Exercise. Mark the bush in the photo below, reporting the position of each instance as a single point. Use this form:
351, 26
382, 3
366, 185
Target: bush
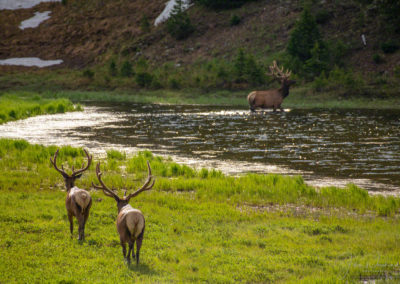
246, 69
126, 69
389, 47
378, 59
144, 79
222, 4
235, 20
179, 25
145, 24
88, 74
112, 68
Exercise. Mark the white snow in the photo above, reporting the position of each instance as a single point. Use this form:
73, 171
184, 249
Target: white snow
30, 61
21, 4
166, 13
35, 21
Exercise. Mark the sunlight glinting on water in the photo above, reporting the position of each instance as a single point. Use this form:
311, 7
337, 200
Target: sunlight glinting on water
225, 140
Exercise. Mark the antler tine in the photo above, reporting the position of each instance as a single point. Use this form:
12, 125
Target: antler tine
54, 162
146, 185
74, 173
106, 190
279, 73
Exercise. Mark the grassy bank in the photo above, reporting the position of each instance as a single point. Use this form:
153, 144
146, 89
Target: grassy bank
299, 98
19, 105
201, 226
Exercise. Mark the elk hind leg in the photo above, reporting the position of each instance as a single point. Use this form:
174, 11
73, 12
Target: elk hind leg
71, 223
139, 245
81, 230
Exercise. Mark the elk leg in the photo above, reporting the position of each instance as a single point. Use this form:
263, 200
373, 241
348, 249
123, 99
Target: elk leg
81, 221
123, 249
71, 223
130, 244
138, 246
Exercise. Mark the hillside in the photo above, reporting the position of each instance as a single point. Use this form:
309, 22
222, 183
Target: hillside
92, 34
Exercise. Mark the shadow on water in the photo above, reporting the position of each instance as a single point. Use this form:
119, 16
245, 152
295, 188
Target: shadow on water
327, 147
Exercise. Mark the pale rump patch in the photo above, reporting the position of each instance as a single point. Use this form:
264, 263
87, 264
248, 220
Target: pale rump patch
82, 197
134, 221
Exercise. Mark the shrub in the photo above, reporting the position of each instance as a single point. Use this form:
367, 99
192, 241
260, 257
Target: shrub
144, 24
378, 59
322, 17
144, 79
179, 25
246, 68
235, 20
112, 68
88, 74
389, 46
64, 2
222, 4
126, 69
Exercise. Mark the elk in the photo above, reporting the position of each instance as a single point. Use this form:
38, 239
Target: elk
78, 201
130, 221
272, 98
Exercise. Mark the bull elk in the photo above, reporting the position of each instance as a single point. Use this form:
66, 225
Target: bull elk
272, 98
130, 221
78, 201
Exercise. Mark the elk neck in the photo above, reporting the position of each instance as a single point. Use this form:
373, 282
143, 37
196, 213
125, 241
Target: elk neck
284, 90
123, 205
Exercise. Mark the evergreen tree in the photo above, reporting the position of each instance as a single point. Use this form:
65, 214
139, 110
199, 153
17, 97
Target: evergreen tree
178, 24
304, 36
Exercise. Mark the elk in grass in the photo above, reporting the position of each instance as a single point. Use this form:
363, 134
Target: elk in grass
78, 201
272, 98
130, 221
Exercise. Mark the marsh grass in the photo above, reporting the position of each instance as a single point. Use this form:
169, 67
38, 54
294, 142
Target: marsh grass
15, 106
195, 229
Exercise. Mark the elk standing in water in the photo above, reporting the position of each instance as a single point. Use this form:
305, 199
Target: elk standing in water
78, 201
272, 98
130, 221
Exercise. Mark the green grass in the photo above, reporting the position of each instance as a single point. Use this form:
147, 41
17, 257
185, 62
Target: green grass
201, 226
14, 106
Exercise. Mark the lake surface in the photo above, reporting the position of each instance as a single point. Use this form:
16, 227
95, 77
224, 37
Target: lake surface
327, 147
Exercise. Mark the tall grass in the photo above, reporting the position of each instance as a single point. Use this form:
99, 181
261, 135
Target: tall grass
15, 106
197, 226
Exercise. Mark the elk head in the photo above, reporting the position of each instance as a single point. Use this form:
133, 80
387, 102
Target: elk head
70, 179
281, 75
123, 201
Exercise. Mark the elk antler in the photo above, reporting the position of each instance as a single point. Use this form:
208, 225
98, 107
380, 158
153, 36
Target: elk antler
108, 192
74, 173
54, 162
278, 72
146, 186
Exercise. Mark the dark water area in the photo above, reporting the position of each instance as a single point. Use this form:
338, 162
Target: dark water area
327, 147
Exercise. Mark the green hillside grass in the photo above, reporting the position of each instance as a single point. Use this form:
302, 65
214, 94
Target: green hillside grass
201, 226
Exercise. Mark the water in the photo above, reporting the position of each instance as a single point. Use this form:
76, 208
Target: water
327, 147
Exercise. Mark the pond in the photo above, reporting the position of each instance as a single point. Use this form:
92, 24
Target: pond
326, 147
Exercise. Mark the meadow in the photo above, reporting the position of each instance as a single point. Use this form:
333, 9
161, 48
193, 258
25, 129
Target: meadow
14, 106
201, 225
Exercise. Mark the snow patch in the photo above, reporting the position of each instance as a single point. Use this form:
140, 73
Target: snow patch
166, 13
30, 61
35, 21
21, 4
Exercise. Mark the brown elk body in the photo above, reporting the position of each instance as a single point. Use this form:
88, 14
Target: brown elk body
272, 98
130, 221
78, 201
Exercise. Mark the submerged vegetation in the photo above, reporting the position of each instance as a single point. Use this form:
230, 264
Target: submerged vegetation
201, 225
14, 106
